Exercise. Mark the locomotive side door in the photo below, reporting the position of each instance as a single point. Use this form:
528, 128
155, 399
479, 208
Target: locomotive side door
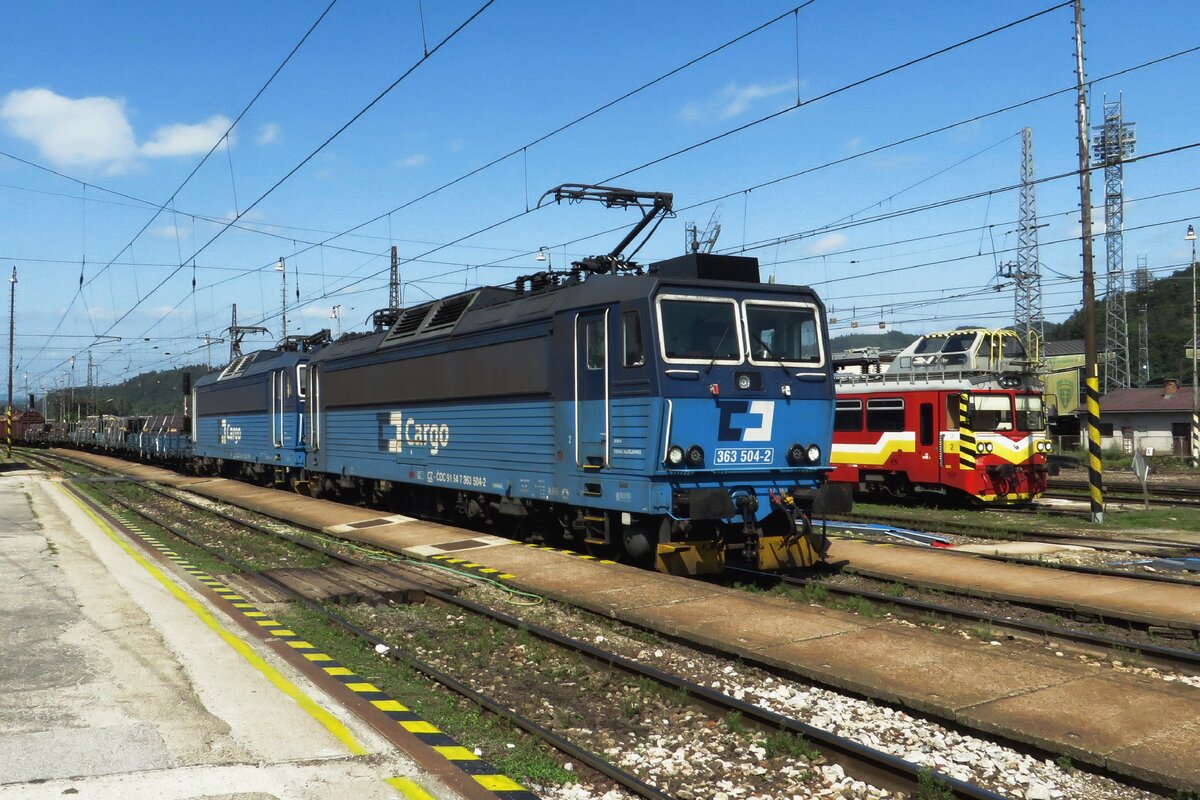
591, 413
283, 422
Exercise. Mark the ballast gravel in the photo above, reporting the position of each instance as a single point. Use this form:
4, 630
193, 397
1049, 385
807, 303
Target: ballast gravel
979, 761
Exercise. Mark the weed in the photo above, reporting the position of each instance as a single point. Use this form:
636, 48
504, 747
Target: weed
784, 743
734, 723
1126, 656
982, 632
896, 590
1064, 763
930, 788
859, 605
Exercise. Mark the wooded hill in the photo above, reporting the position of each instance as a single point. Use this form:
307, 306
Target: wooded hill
1168, 304
157, 392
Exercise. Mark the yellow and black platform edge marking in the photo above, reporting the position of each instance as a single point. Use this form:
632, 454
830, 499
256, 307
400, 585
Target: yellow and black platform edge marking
467, 565
462, 758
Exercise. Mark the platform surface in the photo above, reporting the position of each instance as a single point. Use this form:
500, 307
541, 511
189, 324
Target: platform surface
115, 688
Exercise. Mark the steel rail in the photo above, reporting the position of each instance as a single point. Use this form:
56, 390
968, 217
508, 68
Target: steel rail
865, 763
1162, 656
625, 779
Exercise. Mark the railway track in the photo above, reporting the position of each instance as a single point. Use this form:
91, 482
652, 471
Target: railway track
1090, 643
865, 763
985, 529
1133, 490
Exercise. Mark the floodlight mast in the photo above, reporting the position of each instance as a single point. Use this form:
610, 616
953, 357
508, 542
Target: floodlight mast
655, 207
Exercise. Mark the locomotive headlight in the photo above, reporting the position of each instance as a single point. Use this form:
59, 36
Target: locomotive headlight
743, 381
795, 455
985, 447
695, 456
675, 456
813, 453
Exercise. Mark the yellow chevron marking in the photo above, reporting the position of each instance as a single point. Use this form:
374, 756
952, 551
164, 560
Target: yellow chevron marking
498, 783
363, 687
456, 752
389, 705
418, 726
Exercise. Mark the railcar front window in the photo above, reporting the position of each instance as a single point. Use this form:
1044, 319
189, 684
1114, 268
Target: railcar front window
700, 330
1031, 415
784, 333
992, 412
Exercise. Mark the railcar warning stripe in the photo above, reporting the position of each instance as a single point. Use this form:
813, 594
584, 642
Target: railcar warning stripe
966, 437
464, 759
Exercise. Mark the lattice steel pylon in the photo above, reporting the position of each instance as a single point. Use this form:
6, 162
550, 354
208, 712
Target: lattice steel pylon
1141, 287
1113, 143
1027, 272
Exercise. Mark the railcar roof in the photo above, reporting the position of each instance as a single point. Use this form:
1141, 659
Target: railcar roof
491, 307
254, 363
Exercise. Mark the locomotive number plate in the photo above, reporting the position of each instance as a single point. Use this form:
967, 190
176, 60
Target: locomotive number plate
744, 455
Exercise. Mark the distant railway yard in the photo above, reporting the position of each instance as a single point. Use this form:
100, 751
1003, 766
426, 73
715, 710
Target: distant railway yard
1016, 664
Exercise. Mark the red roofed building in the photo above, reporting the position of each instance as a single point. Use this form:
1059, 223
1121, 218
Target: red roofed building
1157, 419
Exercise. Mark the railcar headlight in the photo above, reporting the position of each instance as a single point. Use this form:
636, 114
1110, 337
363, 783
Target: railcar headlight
675, 456
813, 453
795, 455
695, 456
985, 447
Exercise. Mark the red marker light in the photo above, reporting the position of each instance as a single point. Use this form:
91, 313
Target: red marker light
715, 389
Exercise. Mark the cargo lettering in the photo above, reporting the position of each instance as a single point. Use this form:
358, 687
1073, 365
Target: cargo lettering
397, 432
228, 434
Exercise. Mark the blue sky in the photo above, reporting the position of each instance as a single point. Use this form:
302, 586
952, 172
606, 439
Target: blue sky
128, 98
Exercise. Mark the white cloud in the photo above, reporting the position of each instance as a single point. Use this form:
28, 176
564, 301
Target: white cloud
88, 132
170, 232
827, 244
855, 144
158, 312
101, 313
267, 133
187, 140
731, 101
415, 160
317, 312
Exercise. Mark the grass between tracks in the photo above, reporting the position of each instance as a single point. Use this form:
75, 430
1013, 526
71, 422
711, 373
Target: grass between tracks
507, 748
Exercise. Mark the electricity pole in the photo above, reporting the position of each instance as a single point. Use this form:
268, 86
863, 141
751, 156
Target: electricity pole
1091, 373
12, 307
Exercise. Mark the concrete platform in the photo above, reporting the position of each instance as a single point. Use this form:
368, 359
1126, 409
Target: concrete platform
112, 687
1148, 602
1136, 726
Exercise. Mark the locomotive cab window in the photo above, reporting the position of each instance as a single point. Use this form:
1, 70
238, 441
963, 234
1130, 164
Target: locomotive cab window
885, 414
631, 329
783, 333
1031, 415
699, 330
848, 416
991, 412
301, 380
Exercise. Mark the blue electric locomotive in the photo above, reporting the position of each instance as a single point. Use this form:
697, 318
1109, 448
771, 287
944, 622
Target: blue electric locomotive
249, 419
675, 413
